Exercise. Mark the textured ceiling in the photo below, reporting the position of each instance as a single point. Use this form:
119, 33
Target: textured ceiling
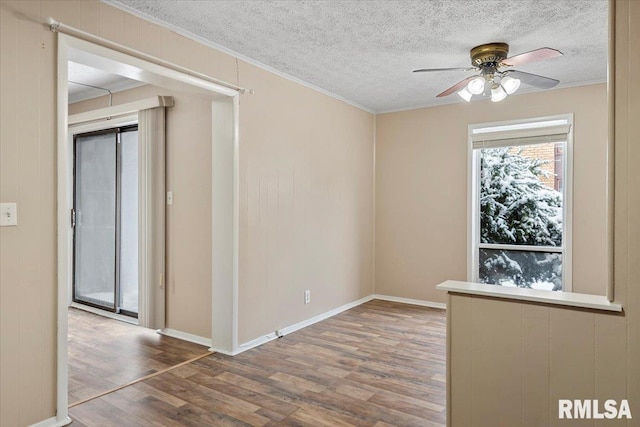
79, 73
365, 51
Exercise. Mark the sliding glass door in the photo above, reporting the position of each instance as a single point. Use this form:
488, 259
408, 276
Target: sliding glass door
106, 220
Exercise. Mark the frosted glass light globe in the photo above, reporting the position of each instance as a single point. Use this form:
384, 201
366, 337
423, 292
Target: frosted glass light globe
476, 85
465, 94
497, 93
510, 84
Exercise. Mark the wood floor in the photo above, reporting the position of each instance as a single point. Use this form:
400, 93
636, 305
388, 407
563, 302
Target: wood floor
106, 353
379, 364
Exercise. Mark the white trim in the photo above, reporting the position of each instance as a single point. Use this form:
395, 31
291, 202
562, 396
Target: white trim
98, 124
473, 230
315, 319
121, 109
153, 69
422, 303
53, 422
323, 316
236, 221
246, 346
567, 220
471, 208
374, 208
473, 192
527, 124
295, 327
594, 302
224, 224
185, 336
95, 55
610, 153
224, 351
477, 222
62, 232
529, 248
233, 53
104, 313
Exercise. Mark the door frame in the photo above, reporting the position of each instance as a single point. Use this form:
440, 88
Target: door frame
225, 201
117, 130
115, 122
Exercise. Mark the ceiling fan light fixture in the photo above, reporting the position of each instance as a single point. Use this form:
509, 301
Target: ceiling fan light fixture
495, 76
510, 84
476, 85
498, 93
465, 94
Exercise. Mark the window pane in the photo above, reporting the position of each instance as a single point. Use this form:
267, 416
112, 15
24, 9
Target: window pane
95, 232
519, 202
523, 269
129, 221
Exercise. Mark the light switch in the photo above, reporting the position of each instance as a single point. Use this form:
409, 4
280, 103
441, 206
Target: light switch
8, 214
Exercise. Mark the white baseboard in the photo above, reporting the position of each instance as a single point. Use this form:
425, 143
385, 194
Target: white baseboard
185, 336
252, 344
297, 326
225, 352
53, 422
420, 302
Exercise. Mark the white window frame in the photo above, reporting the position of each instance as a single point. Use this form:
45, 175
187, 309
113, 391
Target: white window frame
473, 193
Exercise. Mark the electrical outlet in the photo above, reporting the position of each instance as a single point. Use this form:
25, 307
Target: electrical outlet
8, 214
307, 297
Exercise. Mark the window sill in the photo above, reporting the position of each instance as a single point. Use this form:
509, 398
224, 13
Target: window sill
594, 302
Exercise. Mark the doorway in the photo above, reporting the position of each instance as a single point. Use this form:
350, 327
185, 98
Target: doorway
105, 220
97, 53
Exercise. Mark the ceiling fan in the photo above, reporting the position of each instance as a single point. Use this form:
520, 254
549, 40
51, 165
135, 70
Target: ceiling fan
496, 78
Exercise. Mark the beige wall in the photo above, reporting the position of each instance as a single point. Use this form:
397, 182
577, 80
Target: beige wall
306, 210
510, 361
27, 252
188, 251
421, 189
306, 192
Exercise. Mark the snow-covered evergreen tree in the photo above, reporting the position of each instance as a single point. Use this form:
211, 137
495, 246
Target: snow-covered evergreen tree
517, 208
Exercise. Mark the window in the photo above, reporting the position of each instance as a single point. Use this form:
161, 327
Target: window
520, 205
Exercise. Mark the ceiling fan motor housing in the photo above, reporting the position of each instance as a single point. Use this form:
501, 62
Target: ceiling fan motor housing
489, 55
